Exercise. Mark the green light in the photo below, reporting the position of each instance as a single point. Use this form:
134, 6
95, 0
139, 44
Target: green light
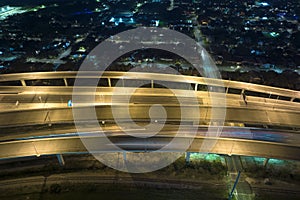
276, 161
197, 156
259, 159
274, 34
271, 160
204, 156
270, 34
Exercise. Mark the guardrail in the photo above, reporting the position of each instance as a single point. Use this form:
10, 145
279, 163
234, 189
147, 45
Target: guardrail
149, 80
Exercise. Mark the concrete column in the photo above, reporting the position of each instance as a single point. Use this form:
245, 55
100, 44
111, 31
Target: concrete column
23, 82
293, 98
187, 157
109, 82
124, 156
66, 82
60, 159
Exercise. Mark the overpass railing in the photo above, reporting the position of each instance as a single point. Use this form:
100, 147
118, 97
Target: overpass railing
149, 80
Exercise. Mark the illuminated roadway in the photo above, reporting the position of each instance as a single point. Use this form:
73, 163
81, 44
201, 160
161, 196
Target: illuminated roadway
266, 125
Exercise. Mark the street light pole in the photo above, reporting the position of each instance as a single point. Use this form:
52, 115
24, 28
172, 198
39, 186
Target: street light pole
234, 186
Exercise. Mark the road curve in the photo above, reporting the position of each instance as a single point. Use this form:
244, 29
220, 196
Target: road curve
28, 100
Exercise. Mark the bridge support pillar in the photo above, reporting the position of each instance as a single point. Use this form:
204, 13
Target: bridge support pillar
187, 157
23, 82
124, 156
266, 162
66, 82
60, 159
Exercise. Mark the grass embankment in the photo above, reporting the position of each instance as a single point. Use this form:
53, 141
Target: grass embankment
198, 179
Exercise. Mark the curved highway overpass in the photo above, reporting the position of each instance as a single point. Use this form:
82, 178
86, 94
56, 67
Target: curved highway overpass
36, 115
